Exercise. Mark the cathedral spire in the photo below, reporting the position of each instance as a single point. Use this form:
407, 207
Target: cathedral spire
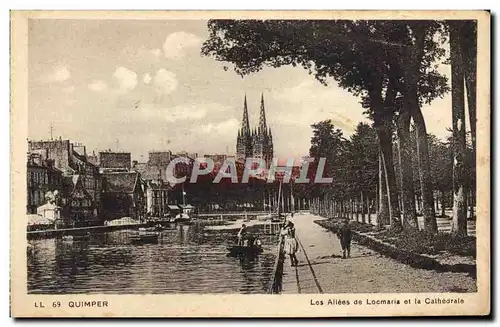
262, 118
245, 125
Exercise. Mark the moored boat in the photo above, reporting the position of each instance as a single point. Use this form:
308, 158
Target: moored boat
241, 250
144, 237
182, 218
250, 247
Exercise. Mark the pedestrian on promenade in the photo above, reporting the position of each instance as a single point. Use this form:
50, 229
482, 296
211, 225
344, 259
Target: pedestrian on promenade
291, 246
344, 235
242, 234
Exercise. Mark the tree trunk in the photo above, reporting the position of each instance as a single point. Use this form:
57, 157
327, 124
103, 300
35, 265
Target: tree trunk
471, 204
377, 202
356, 208
382, 118
426, 189
468, 45
459, 223
436, 201
412, 75
443, 204
406, 171
363, 220
383, 212
368, 200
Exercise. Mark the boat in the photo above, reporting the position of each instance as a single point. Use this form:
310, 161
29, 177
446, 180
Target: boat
264, 217
82, 237
251, 246
182, 218
242, 250
159, 228
144, 237
68, 238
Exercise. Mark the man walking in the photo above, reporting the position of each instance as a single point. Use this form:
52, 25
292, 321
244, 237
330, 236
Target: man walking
344, 235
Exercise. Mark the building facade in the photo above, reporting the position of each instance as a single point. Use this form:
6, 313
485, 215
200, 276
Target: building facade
256, 143
78, 207
123, 195
156, 198
115, 160
42, 177
71, 159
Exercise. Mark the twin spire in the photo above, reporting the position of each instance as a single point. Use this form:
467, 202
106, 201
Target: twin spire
245, 124
255, 143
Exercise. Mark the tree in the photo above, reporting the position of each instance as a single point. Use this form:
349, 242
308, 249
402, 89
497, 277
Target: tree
459, 223
441, 156
365, 164
423, 53
328, 142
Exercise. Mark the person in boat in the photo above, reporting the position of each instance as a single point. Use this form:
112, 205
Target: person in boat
242, 235
257, 242
291, 246
344, 235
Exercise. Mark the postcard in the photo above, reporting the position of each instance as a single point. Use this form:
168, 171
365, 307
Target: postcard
250, 164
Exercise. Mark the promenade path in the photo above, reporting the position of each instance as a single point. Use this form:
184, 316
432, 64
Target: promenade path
322, 270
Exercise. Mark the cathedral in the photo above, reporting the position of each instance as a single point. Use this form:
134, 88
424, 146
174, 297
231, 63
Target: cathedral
256, 143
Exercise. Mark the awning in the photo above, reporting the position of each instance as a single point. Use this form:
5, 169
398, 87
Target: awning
38, 220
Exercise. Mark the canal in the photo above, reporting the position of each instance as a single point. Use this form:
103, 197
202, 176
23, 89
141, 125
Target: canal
188, 259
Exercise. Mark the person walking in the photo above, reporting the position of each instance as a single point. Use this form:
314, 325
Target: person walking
344, 235
291, 246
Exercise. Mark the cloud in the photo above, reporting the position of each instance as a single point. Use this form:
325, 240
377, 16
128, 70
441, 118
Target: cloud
156, 52
177, 43
60, 74
147, 78
126, 78
68, 89
165, 81
221, 128
188, 113
98, 86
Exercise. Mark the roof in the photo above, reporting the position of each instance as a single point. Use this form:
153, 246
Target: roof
82, 158
140, 167
38, 220
120, 182
173, 207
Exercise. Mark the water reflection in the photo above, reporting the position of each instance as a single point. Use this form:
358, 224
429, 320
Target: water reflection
188, 259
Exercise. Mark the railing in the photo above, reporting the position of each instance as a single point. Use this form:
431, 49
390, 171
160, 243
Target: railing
277, 279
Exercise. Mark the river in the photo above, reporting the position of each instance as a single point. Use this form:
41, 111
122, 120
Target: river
188, 259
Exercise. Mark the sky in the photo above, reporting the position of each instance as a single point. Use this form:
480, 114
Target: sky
142, 85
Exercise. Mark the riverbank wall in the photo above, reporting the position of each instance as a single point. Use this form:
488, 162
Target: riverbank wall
49, 233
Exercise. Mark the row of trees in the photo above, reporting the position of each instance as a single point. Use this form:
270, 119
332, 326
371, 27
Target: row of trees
393, 66
359, 185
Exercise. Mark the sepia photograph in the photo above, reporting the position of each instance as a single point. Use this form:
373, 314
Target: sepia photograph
332, 161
